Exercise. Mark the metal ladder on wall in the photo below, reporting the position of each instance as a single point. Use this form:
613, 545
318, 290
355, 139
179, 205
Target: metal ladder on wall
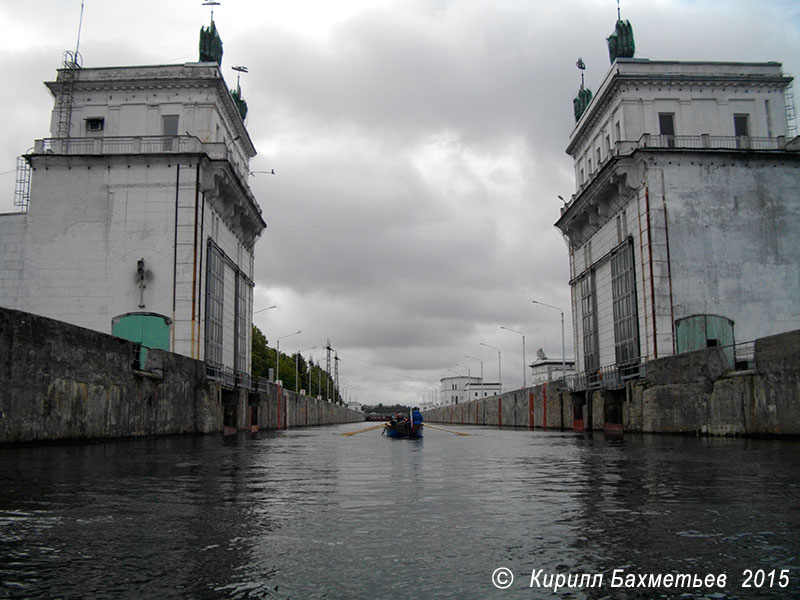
22, 189
71, 66
791, 122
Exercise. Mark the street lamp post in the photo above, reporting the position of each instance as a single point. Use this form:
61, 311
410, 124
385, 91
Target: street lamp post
469, 376
278, 354
297, 365
563, 354
524, 365
499, 365
263, 309
480, 361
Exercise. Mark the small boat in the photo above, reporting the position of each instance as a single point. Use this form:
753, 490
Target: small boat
403, 429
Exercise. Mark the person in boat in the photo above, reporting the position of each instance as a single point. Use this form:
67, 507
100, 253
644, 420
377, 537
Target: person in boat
416, 416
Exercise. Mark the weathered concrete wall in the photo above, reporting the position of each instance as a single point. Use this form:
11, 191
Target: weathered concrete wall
774, 406
278, 408
536, 407
693, 393
59, 381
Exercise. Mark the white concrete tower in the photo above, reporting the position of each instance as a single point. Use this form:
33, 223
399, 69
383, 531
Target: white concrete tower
141, 222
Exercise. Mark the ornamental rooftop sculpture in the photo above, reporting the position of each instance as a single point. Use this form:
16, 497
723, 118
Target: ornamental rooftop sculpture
210, 44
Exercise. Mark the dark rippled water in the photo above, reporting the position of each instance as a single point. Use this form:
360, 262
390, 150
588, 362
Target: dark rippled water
312, 514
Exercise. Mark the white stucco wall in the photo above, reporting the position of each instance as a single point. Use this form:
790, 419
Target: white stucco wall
734, 230
107, 198
703, 97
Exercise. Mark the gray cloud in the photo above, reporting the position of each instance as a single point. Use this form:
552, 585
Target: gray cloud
419, 152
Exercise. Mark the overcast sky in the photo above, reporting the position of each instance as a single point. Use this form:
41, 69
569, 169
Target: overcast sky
418, 149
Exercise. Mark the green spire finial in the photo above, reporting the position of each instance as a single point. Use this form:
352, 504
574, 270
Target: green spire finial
210, 42
238, 100
584, 97
620, 43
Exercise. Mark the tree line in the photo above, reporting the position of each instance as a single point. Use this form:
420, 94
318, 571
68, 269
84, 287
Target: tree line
387, 410
311, 377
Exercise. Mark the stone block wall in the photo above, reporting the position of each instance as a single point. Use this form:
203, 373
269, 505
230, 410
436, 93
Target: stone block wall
525, 408
59, 382
690, 393
696, 392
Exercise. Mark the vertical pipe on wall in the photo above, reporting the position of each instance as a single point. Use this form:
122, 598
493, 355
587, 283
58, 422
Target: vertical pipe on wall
530, 410
200, 278
499, 411
175, 256
194, 259
544, 406
642, 271
669, 261
652, 274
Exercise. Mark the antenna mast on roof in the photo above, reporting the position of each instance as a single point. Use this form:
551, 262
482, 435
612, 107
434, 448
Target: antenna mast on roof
80, 25
72, 62
212, 4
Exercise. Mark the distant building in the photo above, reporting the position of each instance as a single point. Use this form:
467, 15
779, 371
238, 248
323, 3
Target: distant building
546, 369
683, 229
461, 388
137, 218
481, 389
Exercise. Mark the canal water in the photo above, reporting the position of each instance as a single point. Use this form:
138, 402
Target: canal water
309, 513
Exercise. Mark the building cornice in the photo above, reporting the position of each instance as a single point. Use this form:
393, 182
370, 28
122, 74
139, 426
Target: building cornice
608, 188
233, 200
591, 207
157, 78
633, 71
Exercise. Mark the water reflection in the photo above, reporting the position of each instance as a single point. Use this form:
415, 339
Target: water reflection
311, 514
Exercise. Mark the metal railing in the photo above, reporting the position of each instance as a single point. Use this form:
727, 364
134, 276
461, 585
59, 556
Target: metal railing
702, 142
145, 144
235, 380
141, 144
226, 376
610, 377
262, 384
744, 356
740, 357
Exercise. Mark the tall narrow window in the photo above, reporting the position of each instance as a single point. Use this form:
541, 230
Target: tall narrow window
624, 224
769, 118
215, 300
626, 322
666, 126
587, 254
169, 128
243, 290
591, 348
741, 129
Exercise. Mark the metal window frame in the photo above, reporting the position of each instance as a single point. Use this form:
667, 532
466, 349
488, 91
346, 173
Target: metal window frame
591, 341
215, 304
625, 307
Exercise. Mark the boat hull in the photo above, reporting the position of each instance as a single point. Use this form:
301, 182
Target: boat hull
403, 430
